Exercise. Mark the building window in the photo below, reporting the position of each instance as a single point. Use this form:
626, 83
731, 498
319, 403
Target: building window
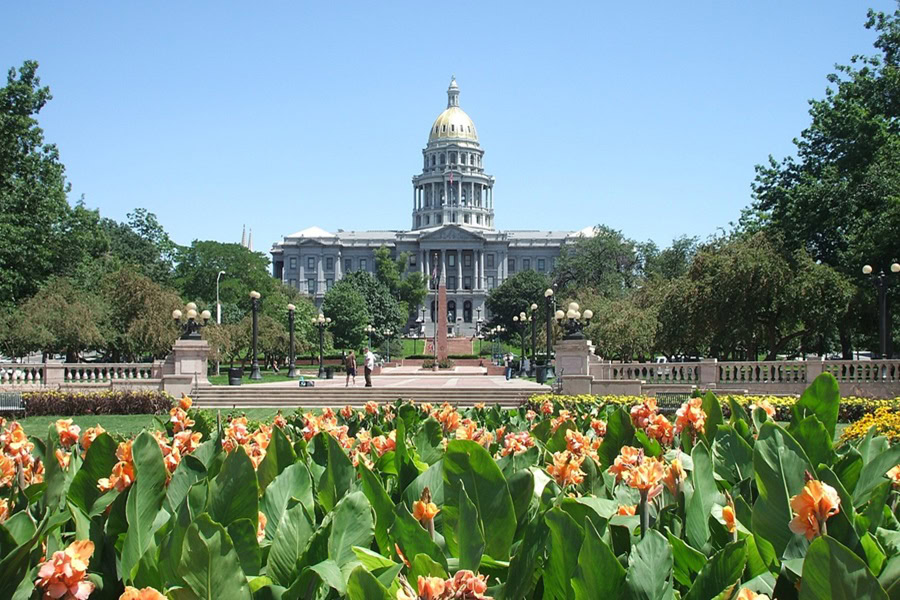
348, 265
466, 218
329, 263
511, 265
292, 283
526, 264
451, 282
451, 260
363, 264
412, 260
329, 283
542, 265
438, 219
451, 312
467, 282
310, 263
489, 261
433, 159
467, 311
418, 221
310, 286
467, 260
490, 282
478, 219
443, 158
427, 220
293, 262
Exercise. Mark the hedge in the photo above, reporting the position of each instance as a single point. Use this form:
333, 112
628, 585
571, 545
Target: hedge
110, 402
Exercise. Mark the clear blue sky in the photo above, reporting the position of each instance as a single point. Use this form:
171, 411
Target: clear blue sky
281, 115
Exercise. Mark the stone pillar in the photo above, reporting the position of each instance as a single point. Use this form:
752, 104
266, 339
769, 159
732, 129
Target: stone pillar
441, 349
303, 287
709, 373
338, 268
814, 368
481, 269
459, 278
185, 367
320, 276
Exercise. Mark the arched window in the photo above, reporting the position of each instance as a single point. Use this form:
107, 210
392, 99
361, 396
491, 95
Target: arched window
443, 158
452, 127
453, 158
467, 311
418, 221
451, 311
433, 159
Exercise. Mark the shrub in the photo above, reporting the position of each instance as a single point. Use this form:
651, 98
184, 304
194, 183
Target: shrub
109, 402
428, 363
446, 364
463, 356
421, 356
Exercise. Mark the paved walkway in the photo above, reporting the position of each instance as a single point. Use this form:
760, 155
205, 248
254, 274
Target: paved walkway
419, 381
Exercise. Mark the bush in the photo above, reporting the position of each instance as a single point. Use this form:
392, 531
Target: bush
421, 356
446, 364
463, 356
110, 402
428, 363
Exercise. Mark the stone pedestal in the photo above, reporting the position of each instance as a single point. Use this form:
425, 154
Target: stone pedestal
186, 366
573, 357
440, 352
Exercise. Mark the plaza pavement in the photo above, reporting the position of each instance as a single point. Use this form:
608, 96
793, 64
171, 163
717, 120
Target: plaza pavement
411, 377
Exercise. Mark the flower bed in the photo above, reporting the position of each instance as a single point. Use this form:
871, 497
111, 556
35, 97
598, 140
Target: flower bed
110, 402
402, 501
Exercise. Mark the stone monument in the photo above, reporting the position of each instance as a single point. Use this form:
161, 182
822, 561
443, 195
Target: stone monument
440, 351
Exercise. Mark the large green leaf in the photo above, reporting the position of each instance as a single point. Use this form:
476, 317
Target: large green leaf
279, 456
234, 493
823, 399
815, 440
412, 537
54, 476
338, 474
209, 564
521, 490
780, 465
98, 463
523, 564
598, 510
701, 500
351, 525
721, 573
428, 441
145, 499
403, 460
619, 432
466, 462
732, 455
469, 533
362, 585
649, 568
873, 473
243, 535
688, 562
188, 472
714, 417
381, 502
293, 536
566, 537
599, 573
833, 571
293, 483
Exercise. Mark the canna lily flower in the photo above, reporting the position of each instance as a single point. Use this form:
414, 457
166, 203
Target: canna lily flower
530, 415
764, 404
280, 421
646, 476
479, 406
7, 471
148, 593
180, 420
660, 429
430, 588
547, 407
63, 575
468, 585
643, 413
185, 403
626, 510
372, 407
812, 507
424, 512
347, 412
894, 475
628, 458
690, 416
4, 509
90, 434
675, 476
68, 433
261, 526
566, 468
63, 458
746, 594
599, 428
516, 443
728, 517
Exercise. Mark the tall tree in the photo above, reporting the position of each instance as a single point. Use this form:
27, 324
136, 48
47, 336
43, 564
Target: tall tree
384, 311
606, 261
142, 244
408, 287
346, 306
516, 295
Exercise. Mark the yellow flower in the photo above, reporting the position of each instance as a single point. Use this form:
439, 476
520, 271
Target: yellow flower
728, 517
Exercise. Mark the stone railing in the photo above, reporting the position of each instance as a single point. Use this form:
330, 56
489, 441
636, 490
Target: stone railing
105, 373
651, 373
80, 375
762, 372
21, 374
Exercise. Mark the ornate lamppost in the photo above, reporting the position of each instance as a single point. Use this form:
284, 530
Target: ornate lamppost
574, 321
369, 330
881, 284
321, 322
519, 322
532, 317
254, 307
548, 298
388, 333
190, 326
292, 370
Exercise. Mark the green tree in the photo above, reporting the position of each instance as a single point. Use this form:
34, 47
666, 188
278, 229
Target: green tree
607, 262
516, 295
408, 287
621, 328
143, 244
384, 311
346, 306
40, 234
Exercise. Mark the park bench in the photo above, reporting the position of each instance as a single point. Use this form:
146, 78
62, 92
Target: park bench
669, 402
11, 402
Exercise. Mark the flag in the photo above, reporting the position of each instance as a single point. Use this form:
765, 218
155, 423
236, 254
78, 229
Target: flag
434, 272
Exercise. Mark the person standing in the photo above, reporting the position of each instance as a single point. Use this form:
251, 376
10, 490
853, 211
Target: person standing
369, 366
350, 366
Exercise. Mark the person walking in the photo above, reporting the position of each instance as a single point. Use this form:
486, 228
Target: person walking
350, 366
369, 366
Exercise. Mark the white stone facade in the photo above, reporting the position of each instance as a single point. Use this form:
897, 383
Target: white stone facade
452, 231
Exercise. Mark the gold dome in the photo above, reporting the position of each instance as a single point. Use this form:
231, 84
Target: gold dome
453, 123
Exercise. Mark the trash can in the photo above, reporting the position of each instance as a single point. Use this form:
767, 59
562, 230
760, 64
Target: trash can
541, 373
235, 376
329, 373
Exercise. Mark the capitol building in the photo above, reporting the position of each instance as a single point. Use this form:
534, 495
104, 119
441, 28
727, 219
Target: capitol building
451, 231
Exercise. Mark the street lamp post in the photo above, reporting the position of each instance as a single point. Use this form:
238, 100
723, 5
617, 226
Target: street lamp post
574, 321
254, 306
369, 329
190, 326
548, 296
533, 319
292, 370
881, 284
321, 322
387, 335
218, 304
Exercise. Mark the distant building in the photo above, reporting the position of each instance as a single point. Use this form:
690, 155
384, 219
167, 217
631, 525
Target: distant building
452, 230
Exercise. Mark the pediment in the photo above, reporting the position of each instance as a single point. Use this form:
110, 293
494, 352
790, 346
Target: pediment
452, 233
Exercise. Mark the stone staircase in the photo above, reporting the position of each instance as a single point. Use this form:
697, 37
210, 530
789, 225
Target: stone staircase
255, 396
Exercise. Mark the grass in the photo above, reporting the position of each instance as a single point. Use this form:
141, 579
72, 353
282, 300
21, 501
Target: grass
126, 425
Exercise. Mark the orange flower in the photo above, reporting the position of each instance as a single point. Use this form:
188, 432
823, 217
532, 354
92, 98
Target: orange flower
7, 471
628, 458
812, 507
280, 421
728, 517
261, 526
68, 433
566, 468
372, 407
90, 434
690, 415
347, 412
746, 594
426, 407
63, 458
530, 415
187, 441
423, 511
4, 509
402, 556
547, 407
894, 475
148, 593
468, 585
626, 510
479, 406
660, 429
642, 413
516, 443
185, 403
764, 404
646, 476
599, 427
180, 420
430, 588
564, 415
675, 476
384, 444
63, 576
121, 478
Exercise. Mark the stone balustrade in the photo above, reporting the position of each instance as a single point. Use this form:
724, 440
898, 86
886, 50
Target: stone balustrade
21, 374
59, 375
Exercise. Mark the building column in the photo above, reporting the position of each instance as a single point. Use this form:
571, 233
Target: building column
459, 192
338, 267
459, 278
443, 272
320, 276
481, 269
414, 197
303, 287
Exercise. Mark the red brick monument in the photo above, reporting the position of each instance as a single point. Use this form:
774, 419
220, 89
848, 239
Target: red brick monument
441, 324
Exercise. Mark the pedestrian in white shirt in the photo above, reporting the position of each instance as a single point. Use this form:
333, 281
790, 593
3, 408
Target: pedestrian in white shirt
370, 364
